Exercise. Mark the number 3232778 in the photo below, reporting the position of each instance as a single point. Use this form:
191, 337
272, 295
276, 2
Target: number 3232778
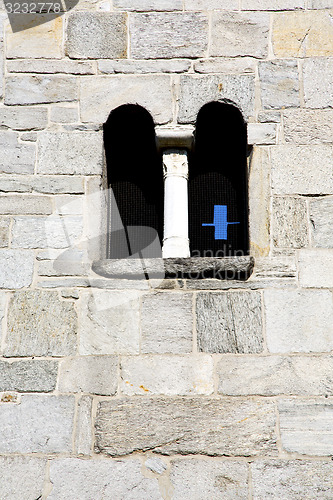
33, 8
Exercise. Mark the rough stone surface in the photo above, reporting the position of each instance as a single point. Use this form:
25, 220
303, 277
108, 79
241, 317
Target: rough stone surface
58, 184
109, 322
23, 118
302, 169
146, 5
225, 65
16, 158
306, 426
292, 479
261, 133
211, 5
299, 320
290, 225
98, 479
162, 35
268, 5
229, 322
166, 323
35, 89
195, 91
239, 34
156, 464
62, 114
316, 268
95, 35
99, 95
16, 268
279, 84
273, 375
40, 324
44, 66
269, 116
320, 4
28, 376
318, 83
146, 66
259, 206
38, 424
306, 126
186, 425
169, 375
200, 479
83, 437
4, 232
279, 266
16, 204
70, 153
21, 477
94, 374
321, 217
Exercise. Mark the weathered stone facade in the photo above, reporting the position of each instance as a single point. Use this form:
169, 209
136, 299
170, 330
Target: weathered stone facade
166, 388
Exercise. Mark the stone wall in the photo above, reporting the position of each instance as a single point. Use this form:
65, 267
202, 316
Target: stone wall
175, 388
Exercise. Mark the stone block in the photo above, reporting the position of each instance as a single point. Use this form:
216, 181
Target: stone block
16, 158
28, 376
269, 116
307, 126
229, 322
279, 84
58, 184
101, 94
23, 117
79, 153
171, 375
69, 205
83, 435
22, 477
302, 34
167, 323
318, 83
306, 426
274, 375
315, 268
55, 66
239, 34
200, 479
27, 205
292, 479
145, 66
261, 133
46, 232
95, 479
278, 266
38, 424
209, 426
97, 35
290, 224
44, 40
302, 169
195, 91
226, 66
299, 320
4, 232
38, 89
146, 5
168, 35
16, 268
109, 322
93, 374
62, 114
40, 324
320, 4
268, 5
211, 5
321, 217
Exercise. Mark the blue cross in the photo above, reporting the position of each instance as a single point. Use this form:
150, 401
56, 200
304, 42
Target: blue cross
220, 222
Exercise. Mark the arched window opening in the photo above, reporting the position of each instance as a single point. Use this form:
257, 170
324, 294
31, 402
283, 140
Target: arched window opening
135, 179
218, 214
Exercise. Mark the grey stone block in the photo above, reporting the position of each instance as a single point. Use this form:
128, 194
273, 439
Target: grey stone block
239, 34
168, 35
229, 322
269, 116
200, 479
299, 320
83, 436
195, 91
28, 376
95, 374
283, 266
146, 5
315, 268
23, 118
226, 66
208, 426
27, 205
156, 464
4, 232
307, 126
35, 89
96, 35
306, 426
16, 158
62, 114
211, 5
268, 5
320, 4
21, 477
58, 184
95, 479
261, 133
290, 224
38, 424
321, 217
40, 324
79, 153
318, 83
45, 66
166, 323
16, 268
145, 66
279, 84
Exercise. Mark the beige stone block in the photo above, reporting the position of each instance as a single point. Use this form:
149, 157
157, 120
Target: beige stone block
290, 225
307, 126
316, 268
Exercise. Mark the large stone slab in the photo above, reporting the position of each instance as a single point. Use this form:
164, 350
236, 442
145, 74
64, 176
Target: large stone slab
144, 66
37, 424
307, 126
226, 65
146, 5
37, 89
292, 479
306, 426
200, 479
279, 82
168, 35
211, 5
27, 205
16, 158
315, 268
23, 117
28, 376
290, 222
318, 83
208, 426
21, 477
96, 35
101, 94
16, 268
229, 322
321, 217
268, 5
55, 66
299, 320
40, 324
